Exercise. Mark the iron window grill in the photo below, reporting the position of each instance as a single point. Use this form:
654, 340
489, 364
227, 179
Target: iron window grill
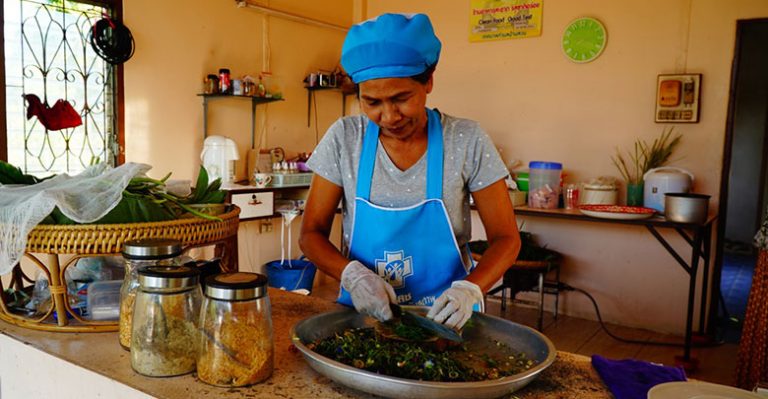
48, 53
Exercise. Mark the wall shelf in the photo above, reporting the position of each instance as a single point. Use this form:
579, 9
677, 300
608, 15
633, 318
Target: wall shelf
254, 102
312, 90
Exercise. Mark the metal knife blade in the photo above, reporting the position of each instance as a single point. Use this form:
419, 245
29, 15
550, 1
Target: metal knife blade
426, 323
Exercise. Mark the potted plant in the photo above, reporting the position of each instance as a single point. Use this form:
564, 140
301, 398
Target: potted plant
645, 157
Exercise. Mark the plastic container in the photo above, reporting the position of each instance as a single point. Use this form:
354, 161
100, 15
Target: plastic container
104, 300
291, 179
599, 194
544, 184
164, 334
139, 253
291, 274
522, 181
236, 346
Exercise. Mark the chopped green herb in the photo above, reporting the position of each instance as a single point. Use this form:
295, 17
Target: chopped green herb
412, 332
364, 349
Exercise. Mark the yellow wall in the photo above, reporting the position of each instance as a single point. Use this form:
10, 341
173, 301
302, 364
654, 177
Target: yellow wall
178, 42
534, 103
537, 105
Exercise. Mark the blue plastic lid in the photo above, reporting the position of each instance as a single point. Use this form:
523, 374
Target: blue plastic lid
545, 165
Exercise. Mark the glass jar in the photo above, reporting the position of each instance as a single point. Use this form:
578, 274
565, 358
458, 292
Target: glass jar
211, 84
571, 196
544, 184
236, 346
164, 332
139, 253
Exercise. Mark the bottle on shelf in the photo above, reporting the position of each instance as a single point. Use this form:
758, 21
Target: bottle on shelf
261, 90
225, 82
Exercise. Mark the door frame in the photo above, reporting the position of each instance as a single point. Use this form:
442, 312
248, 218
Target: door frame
715, 294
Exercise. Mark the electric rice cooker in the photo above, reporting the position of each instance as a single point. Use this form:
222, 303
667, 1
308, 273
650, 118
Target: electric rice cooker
666, 179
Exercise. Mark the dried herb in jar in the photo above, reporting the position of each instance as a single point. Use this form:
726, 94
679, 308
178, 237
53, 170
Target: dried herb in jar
236, 346
236, 352
164, 332
165, 347
126, 316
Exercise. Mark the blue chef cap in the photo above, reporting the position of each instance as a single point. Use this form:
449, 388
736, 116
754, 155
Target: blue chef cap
390, 46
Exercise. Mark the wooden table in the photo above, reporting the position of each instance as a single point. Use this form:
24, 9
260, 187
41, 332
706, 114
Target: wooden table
697, 235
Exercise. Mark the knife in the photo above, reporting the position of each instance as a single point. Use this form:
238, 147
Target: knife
428, 324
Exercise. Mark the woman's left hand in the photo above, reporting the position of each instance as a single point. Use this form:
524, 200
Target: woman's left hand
454, 307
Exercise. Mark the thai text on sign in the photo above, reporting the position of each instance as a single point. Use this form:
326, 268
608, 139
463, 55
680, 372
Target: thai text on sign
504, 19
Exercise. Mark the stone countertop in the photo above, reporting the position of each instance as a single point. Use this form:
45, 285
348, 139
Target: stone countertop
570, 376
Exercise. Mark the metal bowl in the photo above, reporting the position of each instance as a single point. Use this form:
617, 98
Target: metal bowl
486, 329
686, 207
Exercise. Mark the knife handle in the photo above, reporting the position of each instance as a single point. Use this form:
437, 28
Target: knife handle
397, 311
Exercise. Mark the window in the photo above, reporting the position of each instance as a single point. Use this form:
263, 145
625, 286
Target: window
48, 54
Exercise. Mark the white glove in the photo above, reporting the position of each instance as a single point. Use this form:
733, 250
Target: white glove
370, 293
454, 307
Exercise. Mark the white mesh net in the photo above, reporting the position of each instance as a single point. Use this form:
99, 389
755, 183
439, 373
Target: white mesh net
83, 198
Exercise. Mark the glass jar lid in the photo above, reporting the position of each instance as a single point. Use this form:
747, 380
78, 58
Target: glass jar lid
239, 286
151, 248
174, 277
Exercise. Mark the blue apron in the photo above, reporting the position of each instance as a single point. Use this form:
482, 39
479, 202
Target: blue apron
412, 248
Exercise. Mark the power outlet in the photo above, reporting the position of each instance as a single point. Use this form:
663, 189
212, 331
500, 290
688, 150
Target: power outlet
265, 226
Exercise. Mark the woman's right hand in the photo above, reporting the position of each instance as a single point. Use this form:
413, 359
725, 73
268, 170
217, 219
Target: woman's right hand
370, 294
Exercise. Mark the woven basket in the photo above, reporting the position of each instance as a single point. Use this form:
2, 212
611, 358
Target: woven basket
94, 239
108, 239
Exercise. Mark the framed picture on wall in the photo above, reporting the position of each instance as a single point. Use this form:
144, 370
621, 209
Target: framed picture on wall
677, 98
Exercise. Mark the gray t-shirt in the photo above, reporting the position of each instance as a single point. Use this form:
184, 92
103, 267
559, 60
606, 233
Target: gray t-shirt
470, 163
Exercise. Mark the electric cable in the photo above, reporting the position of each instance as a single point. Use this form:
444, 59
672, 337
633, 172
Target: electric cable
565, 287
112, 41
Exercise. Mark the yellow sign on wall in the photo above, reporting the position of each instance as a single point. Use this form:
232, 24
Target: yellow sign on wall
504, 19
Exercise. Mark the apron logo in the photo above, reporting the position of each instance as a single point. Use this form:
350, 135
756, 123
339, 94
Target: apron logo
394, 268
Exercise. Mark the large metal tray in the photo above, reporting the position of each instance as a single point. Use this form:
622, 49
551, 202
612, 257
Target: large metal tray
486, 329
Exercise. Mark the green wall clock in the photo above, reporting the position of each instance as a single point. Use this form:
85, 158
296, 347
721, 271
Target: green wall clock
584, 39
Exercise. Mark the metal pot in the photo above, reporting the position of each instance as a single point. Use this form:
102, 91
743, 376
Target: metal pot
686, 207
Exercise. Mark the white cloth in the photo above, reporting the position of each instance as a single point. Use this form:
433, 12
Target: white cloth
370, 293
83, 198
454, 306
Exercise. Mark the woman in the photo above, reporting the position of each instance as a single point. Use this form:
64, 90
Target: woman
404, 173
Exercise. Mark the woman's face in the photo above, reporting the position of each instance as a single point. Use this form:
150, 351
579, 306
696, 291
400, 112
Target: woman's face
396, 105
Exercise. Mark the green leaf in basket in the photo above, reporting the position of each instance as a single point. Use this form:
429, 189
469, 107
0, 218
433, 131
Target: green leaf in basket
215, 197
214, 186
10, 174
201, 187
133, 209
